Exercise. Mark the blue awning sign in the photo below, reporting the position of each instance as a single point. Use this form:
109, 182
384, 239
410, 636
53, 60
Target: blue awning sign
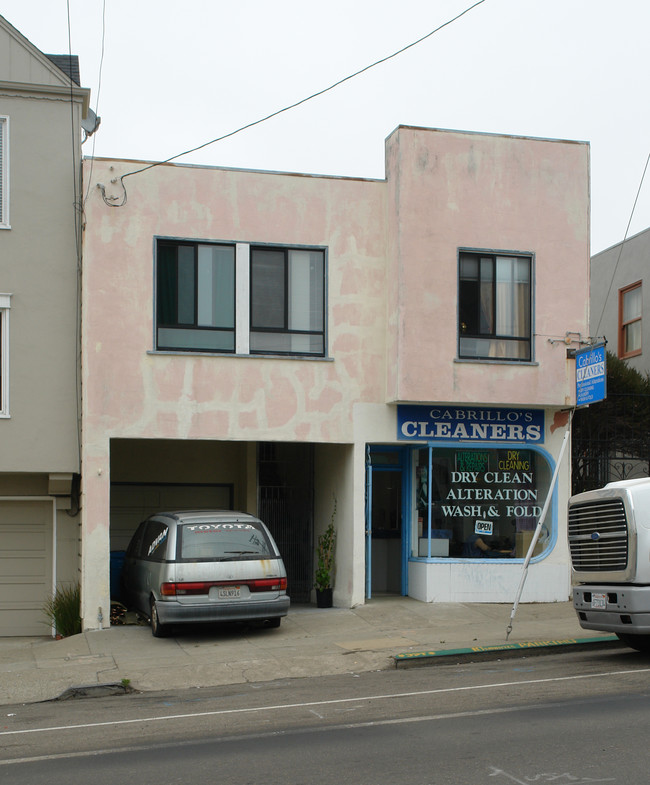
469, 424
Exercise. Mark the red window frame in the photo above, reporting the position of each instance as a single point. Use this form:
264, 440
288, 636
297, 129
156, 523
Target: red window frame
624, 324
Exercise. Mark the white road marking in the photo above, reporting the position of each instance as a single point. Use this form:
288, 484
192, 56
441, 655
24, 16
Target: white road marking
268, 734
337, 701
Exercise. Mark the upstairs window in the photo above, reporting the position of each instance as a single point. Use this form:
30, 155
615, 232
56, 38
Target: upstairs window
494, 307
195, 297
4, 172
630, 305
239, 298
287, 301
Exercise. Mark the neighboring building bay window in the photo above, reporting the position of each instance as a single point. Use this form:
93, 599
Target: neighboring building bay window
478, 503
629, 317
5, 304
238, 298
4, 172
494, 307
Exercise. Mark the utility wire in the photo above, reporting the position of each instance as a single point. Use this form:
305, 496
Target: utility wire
111, 200
75, 184
99, 90
77, 207
620, 250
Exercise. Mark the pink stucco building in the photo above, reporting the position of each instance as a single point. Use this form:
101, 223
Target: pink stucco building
284, 343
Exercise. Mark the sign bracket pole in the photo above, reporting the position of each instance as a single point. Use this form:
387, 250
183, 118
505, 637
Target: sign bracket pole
540, 523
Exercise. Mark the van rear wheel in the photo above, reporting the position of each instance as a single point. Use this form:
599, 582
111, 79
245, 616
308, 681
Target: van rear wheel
639, 642
158, 630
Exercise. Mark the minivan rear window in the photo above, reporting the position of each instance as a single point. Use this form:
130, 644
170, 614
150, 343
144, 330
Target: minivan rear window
223, 541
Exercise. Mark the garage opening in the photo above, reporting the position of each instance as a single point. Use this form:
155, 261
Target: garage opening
272, 480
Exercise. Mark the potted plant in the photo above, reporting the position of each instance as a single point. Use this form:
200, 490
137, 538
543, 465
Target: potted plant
325, 552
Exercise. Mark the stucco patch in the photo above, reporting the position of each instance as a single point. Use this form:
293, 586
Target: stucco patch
167, 424
248, 420
326, 401
281, 402
347, 342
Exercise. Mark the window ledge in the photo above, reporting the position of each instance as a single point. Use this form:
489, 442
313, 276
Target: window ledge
495, 361
477, 560
231, 355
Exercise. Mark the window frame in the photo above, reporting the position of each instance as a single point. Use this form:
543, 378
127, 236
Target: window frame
285, 329
162, 242
434, 522
149, 549
493, 337
4, 172
243, 316
623, 324
5, 305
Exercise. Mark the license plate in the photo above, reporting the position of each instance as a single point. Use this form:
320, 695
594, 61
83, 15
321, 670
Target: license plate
229, 593
598, 600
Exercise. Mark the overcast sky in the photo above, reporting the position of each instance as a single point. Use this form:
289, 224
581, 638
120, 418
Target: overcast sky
175, 75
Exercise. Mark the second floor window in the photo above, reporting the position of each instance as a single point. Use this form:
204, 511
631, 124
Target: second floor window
494, 307
287, 301
195, 297
238, 298
630, 311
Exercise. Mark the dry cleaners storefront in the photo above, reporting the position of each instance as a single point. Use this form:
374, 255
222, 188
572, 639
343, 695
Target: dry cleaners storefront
452, 505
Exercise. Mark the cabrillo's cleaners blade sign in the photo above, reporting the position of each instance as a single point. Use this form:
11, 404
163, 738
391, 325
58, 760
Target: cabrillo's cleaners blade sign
469, 424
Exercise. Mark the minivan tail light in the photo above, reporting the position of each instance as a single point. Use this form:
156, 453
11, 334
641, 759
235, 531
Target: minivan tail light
203, 587
173, 589
268, 584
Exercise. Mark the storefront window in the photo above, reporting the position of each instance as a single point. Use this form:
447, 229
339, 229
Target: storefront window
478, 503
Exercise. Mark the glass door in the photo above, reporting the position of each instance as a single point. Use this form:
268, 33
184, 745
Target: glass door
385, 530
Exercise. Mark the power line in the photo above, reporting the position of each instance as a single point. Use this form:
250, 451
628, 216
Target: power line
110, 201
99, 90
76, 192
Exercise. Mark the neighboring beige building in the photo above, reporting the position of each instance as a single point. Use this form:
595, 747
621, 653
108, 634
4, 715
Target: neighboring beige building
277, 342
619, 316
618, 310
41, 108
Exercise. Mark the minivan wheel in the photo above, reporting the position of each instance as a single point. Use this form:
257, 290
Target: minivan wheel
275, 622
158, 630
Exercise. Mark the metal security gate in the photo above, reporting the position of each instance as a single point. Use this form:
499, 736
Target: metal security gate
610, 441
285, 488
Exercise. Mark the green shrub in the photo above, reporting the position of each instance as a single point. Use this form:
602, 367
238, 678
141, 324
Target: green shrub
325, 554
63, 609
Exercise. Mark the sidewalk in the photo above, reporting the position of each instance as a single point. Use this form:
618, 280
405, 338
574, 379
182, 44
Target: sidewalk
309, 642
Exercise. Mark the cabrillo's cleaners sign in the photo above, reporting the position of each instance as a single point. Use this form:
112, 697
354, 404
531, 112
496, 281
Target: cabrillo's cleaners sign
469, 424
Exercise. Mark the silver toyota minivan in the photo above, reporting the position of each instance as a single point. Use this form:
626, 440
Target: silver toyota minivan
204, 566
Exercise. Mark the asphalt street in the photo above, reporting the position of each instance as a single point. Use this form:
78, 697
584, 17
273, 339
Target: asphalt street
496, 721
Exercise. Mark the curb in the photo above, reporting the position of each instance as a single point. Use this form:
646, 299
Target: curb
501, 651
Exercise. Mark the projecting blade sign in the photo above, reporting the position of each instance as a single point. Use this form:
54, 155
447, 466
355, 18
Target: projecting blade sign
590, 375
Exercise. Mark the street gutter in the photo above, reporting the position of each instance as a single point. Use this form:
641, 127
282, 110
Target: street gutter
412, 659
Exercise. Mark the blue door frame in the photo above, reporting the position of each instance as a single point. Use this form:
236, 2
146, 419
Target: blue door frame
402, 464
